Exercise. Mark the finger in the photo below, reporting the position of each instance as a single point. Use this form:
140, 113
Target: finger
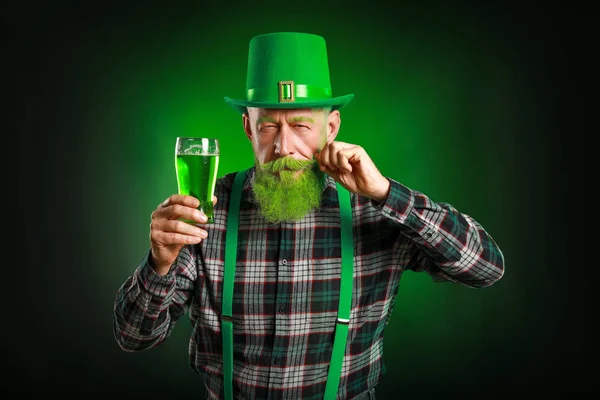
317, 157
324, 158
177, 211
333, 157
176, 232
355, 154
169, 238
184, 228
214, 200
342, 160
189, 201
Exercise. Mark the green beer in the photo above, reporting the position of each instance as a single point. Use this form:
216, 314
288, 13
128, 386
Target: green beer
196, 172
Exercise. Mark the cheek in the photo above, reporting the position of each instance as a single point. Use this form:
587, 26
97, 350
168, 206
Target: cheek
264, 149
310, 145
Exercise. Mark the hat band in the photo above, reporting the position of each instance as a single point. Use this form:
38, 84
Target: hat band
294, 92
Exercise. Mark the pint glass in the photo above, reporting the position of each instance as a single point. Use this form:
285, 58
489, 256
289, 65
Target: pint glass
196, 165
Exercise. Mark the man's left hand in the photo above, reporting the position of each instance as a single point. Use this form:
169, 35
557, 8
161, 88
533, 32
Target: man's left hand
351, 166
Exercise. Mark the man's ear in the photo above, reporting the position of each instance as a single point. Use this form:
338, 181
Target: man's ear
333, 125
246, 124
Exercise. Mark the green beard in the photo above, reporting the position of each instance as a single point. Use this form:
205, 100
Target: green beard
283, 197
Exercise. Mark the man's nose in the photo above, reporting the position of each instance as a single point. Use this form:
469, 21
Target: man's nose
284, 143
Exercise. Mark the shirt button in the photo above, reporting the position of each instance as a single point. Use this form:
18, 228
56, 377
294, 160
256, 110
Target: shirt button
428, 234
281, 310
284, 261
276, 361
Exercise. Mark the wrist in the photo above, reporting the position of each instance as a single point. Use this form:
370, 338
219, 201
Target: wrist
160, 269
382, 191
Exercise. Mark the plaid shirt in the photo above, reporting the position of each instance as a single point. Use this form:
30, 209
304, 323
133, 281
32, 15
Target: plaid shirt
287, 285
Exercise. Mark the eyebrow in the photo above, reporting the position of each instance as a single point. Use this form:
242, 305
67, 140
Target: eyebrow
265, 119
301, 119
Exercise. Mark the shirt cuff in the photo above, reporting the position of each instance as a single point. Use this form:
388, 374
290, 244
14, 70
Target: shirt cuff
398, 204
158, 286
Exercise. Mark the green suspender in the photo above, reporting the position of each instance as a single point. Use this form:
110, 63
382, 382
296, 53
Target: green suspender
344, 308
228, 279
343, 320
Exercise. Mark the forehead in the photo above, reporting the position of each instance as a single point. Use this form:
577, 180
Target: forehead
278, 113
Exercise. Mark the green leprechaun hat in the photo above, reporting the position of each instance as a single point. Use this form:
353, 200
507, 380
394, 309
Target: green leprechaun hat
288, 70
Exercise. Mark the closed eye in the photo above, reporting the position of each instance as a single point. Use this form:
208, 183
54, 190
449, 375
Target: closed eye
267, 128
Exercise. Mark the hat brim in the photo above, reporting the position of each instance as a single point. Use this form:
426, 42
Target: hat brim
336, 103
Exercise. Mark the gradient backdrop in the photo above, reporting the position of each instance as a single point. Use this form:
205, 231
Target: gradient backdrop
457, 101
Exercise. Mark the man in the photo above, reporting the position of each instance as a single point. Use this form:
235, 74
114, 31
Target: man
279, 316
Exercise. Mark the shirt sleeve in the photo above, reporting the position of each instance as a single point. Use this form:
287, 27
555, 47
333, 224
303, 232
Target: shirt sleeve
447, 244
148, 305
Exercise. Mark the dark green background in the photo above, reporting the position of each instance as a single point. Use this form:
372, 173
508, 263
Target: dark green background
463, 102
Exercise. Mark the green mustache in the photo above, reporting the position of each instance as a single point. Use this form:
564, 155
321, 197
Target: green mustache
288, 163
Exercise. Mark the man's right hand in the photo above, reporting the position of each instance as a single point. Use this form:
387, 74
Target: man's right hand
168, 235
